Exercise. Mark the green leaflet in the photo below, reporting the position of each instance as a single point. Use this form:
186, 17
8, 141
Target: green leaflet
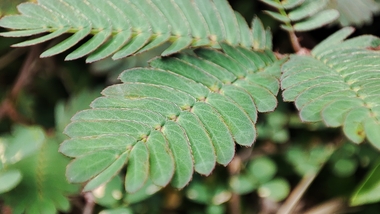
160, 159
278, 16
85, 167
335, 85
307, 9
290, 4
134, 90
47, 16
265, 101
245, 33
108, 173
41, 39
66, 44
229, 21
368, 190
179, 116
138, 168
354, 13
20, 22
372, 127
258, 32
215, 70
267, 81
242, 98
80, 128
200, 143
322, 18
353, 125
99, 22
240, 57
300, 15
223, 60
236, 119
75, 147
180, 146
259, 59
165, 108
124, 28
122, 25
160, 26
182, 68
9, 179
196, 21
218, 131
311, 110
149, 118
21, 33
140, 27
337, 37
329, 111
214, 22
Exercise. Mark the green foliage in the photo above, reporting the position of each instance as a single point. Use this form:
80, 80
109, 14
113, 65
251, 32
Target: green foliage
368, 190
35, 171
259, 175
308, 160
143, 26
181, 114
302, 15
356, 12
352, 101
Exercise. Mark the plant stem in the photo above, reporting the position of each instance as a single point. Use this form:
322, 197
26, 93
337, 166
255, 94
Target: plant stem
297, 193
234, 168
11, 56
294, 40
26, 71
7, 107
293, 37
90, 203
300, 189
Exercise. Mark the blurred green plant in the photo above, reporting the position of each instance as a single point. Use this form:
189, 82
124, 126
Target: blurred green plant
33, 172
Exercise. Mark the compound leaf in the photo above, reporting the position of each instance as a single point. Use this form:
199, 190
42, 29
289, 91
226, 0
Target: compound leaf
179, 116
337, 85
135, 28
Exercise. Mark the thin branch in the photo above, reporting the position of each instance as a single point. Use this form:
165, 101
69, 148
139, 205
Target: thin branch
11, 56
90, 203
295, 42
332, 206
297, 193
7, 107
26, 72
234, 204
307, 179
234, 168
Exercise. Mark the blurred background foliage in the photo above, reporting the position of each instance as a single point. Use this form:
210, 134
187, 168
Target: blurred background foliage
306, 167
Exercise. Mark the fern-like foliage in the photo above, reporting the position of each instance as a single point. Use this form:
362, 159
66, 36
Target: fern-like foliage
181, 114
338, 84
34, 172
355, 12
125, 27
302, 15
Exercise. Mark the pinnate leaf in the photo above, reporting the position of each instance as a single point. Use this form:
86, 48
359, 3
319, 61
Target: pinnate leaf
179, 116
123, 28
337, 85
